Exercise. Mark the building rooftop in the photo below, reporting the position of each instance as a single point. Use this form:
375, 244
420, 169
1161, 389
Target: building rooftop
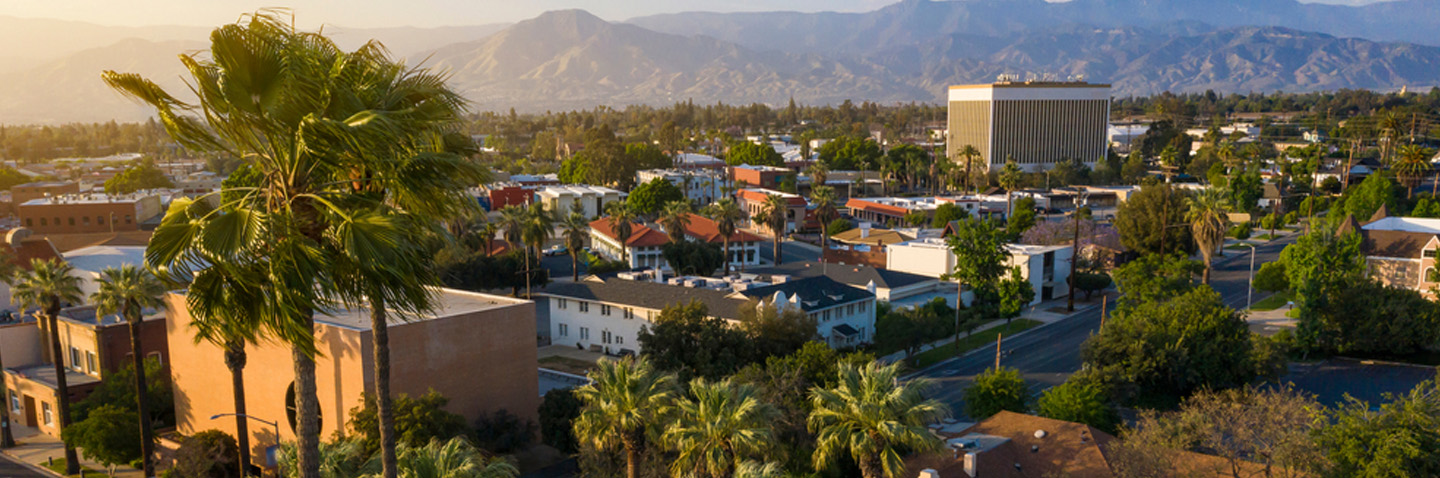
575, 189
98, 258
1033, 84
813, 293
640, 234
71, 242
706, 229
44, 374
91, 198
763, 168
44, 184
451, 303
851, 274
1404, 224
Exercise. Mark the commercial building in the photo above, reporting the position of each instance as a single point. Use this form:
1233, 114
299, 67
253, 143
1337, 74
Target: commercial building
23, 193
765, 177
496, 196
892, 210
752, 201
701, 186
1036, 123
643, 247
477, 350
90, 212
592, 199
1046, 267
606, 314
89, 262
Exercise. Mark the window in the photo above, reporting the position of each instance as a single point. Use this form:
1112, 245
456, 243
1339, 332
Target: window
825, 316
561, 303
57, 221
30, 221
85, 220
564, 330
629, 313
1428, 254
584, 306
620, 340
155, 356
604, 309
75, 358
100, 220
49, 414
15, 401
605, 336
44, 222
584, 333
864, 306
850, 309
90, 364
71, 221
127, 219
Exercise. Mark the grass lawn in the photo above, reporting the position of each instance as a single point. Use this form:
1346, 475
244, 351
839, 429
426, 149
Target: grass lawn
1238, 247
566, 364
1293, 313
966, 344
59, 468
1273, 302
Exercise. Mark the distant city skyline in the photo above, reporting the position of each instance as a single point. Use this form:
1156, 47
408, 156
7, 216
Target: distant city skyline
420, 13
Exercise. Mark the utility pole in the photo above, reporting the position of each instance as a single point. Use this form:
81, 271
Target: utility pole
997, 350
1075, 255
1104, 303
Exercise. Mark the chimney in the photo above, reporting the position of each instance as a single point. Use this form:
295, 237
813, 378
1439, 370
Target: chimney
971, 462
864, 230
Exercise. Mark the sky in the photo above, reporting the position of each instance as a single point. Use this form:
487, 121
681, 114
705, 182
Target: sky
395, 13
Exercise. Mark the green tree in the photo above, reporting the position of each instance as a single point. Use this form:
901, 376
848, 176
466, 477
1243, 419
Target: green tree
1079, 400
1412, 166
823, 197
1022, 219
1090, 283
622, 220
686, 340
693, 257
1272, 277
1015, 293
1134, 169
1320, 266
10, 178
1363, 200
1367, 317
775, 332
1152, 221
946, 213
745, 152
128, 291
849, 153
108, 435
717, 426
418, 420
453, 458
1208, 214
539, 227
574, 230
727, 216
1009, 177
996, 390
558, 411
838, 226
626, 405
649, 198
647, 156
775, 214
140, 175
1396, 439
674, 218
871, 416
207, 454
980, 260
48, 286
1154, 278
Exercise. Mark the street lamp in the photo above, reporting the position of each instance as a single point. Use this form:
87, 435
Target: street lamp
269, 454
1250, 285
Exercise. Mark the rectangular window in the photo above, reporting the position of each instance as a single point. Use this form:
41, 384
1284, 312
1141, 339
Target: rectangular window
825, 316
30, 222
44, 222
49, 414
864, 306
85, 220
1428, 254
605, 336
100, 220
15, 402
850, 309
75, 358
564, 330
71, 221
561, 303
604, 309
584, 306
90, 363
620, 340
127, 219
584, 333
629, 313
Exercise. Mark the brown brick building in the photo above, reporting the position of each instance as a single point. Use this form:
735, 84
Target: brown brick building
88, 213
478, 350
22, 193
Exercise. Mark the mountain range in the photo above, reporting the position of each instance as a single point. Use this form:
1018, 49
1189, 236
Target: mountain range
909, 51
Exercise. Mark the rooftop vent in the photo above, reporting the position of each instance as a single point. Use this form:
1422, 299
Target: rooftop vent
1039, 433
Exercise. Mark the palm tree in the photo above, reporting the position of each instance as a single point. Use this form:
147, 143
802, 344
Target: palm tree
48, 286
675, 217
539, 226
621, 219
1208, 216
818, 173
574, 229
714, 431
487, 233
129, 291
872, 415
226, 311
7, 276
1009, 178
1389, 125
625, 404
512, 220
824, 199
453, 458
1411, 167
970, 154
773, 215
347, 143
727, 216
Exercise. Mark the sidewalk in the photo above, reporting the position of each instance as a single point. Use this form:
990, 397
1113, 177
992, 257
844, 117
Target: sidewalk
1047, 312
35, 448
1268, 322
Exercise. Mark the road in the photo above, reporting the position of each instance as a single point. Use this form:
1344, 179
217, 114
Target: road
9, 468
789, 252
1046, 356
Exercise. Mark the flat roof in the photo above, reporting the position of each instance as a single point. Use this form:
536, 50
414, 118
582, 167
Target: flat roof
91, 198
97, 258
44, 374
1033, 84
450, 303
580, 189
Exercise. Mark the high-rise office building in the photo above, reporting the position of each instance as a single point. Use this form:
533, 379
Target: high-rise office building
1036, 123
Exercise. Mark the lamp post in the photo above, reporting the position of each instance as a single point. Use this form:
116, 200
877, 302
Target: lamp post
1250, 284
261, 420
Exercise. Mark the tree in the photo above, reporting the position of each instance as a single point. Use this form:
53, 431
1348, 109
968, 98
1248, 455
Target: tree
908, 329
48, 286
1398, 438
870, 415
1009, 178
1271, 277
140, 175
503, 433
1412, 166
626, 404
207, 454
1015, 293
539, 227
1023, 217
418, 421
621, 222
10, 178
108, 435
1168, 349
839, 225
823, 197
915, 219
776, 332
646, 156
1090, 283
717, 427
1079, 400
980, 259
819, 173
745, 152
693, 257
558, 411
995, 390
674, 218
687, 341
1363, 200
1320, 266
1208, 215
574, 230
946, 213
119, 389
969, 155
512, 220
128, 290
1367, 317
849, 153
1154, 278
774, 213
727, 216
319, 140
649, 198
453, 458
1152, 221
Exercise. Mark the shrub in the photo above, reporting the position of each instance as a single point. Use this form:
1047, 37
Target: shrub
1241, 231
839, 225
557, 416
1292, 218
503, 433
1271, 277
208, 454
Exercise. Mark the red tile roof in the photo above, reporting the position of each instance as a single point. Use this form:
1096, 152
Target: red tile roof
705, 229
864, 205
760, 195
29, 250
640, 234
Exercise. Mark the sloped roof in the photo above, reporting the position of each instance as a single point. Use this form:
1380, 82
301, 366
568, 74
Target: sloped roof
640, 234
854, 275
877, 237
864, 205
815, 293
30, 250
70, 242
706, 229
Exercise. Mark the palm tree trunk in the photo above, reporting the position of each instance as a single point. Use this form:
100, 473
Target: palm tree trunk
632, 460
777, 247
574, 267
527, 273
235, 361
727, 255
62, 387
147, 438
380, 335
824, 238
307, 406
1205, 276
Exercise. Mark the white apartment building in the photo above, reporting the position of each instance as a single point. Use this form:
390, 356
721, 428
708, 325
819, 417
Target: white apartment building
606, 314
701, 186
592, 199
1046, 267
643, 247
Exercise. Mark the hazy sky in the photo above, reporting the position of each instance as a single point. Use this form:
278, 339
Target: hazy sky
387, 13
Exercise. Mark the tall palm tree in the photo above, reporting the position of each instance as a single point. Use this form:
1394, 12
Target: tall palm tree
331, 139
487, 233
872, 415
512, 220
48, 286
971, 155
773, 215
1208, 215
1411, 166
226, 311
818, 173
727, 216
574, 229
129, 291
1009, 177
1389, 126
539, 226
675, 217
7, 276
718, 428
625, 405
824, 199
622, 219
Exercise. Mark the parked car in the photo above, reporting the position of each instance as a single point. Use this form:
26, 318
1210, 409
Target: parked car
555, 251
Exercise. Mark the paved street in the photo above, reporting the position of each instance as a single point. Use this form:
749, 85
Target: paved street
9, 468
790, 251
1048, 355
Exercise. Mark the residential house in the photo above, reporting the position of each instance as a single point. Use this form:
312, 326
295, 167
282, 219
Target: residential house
1046, 267
1399, 251
797, 216
892, 210
644, 245
896, 287
700, 186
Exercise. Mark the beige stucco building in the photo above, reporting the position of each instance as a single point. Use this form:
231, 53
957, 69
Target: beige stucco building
478, 350
1036, 123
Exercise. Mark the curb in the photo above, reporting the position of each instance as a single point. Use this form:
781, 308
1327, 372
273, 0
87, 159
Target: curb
941, 363
34, 468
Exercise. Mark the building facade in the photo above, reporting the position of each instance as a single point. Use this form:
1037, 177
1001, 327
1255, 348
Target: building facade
643, 248
1046, 267
1037, 124
592, 199
752, 201
85, 213
760, 176
700, 186
23, 193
